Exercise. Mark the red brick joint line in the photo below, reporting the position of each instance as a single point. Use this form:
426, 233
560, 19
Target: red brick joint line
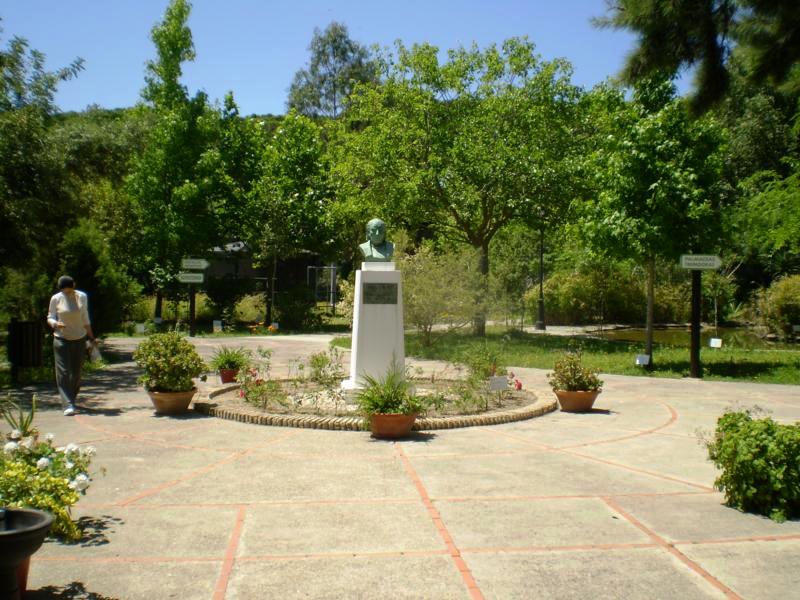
464, 570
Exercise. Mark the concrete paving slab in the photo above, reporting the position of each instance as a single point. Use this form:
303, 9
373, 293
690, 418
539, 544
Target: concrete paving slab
543, 474
702, 517
122, 580
754, 570
362, 577
642, 573
167, 532
471, 441
536, 523
687, 460
322, 528
133, 468
256, 478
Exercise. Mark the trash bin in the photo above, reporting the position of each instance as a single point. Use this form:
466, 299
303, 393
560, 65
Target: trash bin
25, 344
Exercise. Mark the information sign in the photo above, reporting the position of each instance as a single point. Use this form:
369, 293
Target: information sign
700, 262
197, 264
190, 277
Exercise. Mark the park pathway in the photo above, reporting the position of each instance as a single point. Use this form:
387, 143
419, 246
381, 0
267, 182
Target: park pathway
616, 503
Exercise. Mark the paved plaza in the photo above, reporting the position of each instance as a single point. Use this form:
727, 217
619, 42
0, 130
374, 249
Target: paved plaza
617, 503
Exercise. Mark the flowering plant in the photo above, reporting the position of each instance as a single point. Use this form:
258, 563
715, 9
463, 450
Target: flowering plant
256, 386
38, 474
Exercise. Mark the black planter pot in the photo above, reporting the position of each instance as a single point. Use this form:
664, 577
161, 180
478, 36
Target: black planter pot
22, 531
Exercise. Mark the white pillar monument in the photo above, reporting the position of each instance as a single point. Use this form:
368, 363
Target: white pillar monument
378, 337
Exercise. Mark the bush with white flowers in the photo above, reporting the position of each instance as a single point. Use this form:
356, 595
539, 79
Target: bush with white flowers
37, 474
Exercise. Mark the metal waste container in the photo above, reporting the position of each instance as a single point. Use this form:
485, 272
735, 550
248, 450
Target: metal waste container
25, 344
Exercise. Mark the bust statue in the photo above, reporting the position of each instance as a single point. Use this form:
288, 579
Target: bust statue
377, 248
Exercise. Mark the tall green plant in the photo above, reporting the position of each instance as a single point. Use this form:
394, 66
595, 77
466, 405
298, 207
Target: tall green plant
169, 362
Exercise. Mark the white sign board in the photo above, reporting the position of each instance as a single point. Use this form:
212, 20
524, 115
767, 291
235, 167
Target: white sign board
700, 262
642, 359
216, 326
190, 277
194, 263
715, 342
498, 384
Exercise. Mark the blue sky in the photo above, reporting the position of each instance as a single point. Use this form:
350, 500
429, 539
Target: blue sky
254, 48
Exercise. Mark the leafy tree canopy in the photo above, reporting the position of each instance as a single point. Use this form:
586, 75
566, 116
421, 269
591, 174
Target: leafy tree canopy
337, 64
675, 35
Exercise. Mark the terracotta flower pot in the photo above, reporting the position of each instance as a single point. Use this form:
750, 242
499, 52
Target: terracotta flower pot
171, 403
391, 426
576, 401
228, 375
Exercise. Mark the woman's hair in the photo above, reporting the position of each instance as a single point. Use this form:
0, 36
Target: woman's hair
65, 281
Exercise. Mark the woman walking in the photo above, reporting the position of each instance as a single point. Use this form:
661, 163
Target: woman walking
69, 318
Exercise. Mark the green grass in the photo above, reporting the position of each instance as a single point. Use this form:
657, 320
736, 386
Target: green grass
516, 349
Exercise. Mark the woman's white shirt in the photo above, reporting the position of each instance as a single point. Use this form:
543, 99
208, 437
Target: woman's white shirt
73, 311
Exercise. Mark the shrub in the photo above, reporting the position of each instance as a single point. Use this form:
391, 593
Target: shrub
325, 368
608, 293
758, 460
224, 293
23, 294
438, 289
296, 309
169, 361
780, 305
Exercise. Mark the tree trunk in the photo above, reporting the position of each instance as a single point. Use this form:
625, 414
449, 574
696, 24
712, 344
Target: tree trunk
482, 291
651, 296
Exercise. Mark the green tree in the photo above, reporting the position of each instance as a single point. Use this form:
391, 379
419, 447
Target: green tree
35, 199
288, 204
674, 35
173, 218
658, 177
85, 256
465, 147
337, 64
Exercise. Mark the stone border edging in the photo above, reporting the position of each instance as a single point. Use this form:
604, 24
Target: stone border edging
256, 417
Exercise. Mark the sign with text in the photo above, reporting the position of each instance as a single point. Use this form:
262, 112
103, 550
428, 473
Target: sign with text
700, 262
197, 264
498, 383
190, 277
380, 293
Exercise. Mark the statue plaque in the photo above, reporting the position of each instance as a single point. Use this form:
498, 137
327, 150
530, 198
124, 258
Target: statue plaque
380, 293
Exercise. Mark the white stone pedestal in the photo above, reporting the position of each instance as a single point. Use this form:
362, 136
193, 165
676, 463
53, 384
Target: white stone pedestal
378, 340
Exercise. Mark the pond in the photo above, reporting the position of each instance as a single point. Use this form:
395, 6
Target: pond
732, 337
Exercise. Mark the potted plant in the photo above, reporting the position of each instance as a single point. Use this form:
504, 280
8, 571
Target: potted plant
229, 361
38, 475
389, 404
170, 364
576, 386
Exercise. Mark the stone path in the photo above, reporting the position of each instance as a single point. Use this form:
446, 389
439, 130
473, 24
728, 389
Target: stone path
613, 504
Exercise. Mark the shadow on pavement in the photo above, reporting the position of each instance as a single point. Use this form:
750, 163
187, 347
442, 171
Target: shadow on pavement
94, 529
73, 590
